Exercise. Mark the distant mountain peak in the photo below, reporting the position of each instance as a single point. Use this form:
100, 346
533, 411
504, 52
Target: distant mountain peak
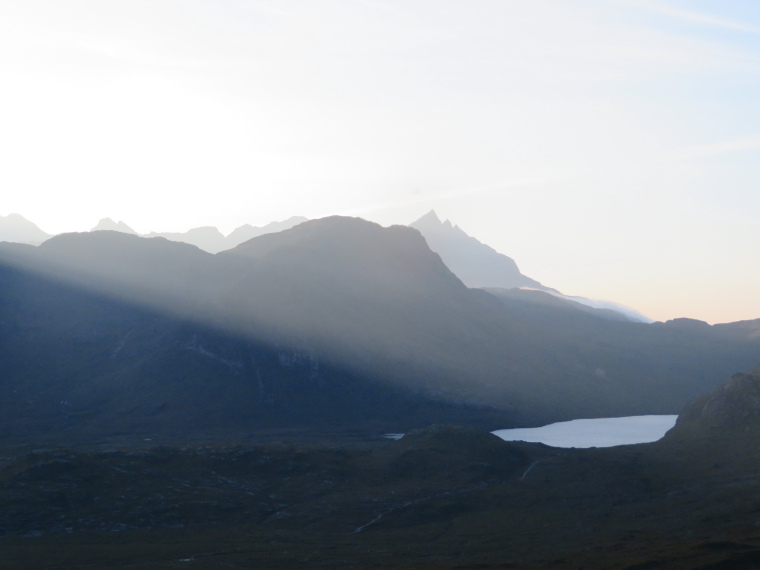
111, 225
474, 262
247, 231
209, 231
395, 258
431, 222
16, 228
431, 218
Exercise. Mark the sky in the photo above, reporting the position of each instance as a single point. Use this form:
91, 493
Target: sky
610, 147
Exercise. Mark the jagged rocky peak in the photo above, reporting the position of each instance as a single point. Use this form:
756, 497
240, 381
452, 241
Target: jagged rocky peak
431, 222
108, 224
429, 219
735, 403
475, 263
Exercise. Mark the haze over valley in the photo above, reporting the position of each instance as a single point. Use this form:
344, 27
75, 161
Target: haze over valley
318, 323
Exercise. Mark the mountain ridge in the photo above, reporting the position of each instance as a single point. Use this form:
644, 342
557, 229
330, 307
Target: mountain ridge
481, 266
208, 238
335, 314
14, 228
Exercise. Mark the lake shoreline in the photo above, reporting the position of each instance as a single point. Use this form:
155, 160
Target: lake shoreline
598, 432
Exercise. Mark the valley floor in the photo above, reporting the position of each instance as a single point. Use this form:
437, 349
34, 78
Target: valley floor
443, 497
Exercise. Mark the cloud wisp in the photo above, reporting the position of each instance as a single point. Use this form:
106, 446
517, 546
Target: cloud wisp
696, 17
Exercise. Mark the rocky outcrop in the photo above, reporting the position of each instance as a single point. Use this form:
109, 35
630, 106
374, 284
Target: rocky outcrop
735, 403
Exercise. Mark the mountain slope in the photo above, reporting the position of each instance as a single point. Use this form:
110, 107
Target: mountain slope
80, 365
335, 321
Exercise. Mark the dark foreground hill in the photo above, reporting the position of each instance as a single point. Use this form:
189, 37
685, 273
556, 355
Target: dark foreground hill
440, 497
336, 323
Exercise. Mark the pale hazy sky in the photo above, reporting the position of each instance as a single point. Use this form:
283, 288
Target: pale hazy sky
611, 147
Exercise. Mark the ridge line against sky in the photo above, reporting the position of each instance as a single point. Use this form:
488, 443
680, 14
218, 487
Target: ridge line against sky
610, 147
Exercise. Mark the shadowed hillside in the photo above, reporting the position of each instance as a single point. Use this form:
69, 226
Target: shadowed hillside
335, 322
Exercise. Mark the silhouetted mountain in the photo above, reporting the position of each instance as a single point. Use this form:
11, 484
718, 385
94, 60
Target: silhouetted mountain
17, 229
335, 321
109, 333
107, 224
475, 263
207, 238
247, 231
479, 265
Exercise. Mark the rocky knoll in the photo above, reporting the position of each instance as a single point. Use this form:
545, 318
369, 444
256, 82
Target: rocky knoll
735, 404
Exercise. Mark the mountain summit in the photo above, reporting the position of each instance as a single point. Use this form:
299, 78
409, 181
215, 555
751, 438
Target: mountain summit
107, 224
475, 263
16, 228
336, 321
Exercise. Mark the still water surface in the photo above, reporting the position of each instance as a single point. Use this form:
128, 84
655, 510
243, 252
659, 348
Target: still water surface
601, 432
